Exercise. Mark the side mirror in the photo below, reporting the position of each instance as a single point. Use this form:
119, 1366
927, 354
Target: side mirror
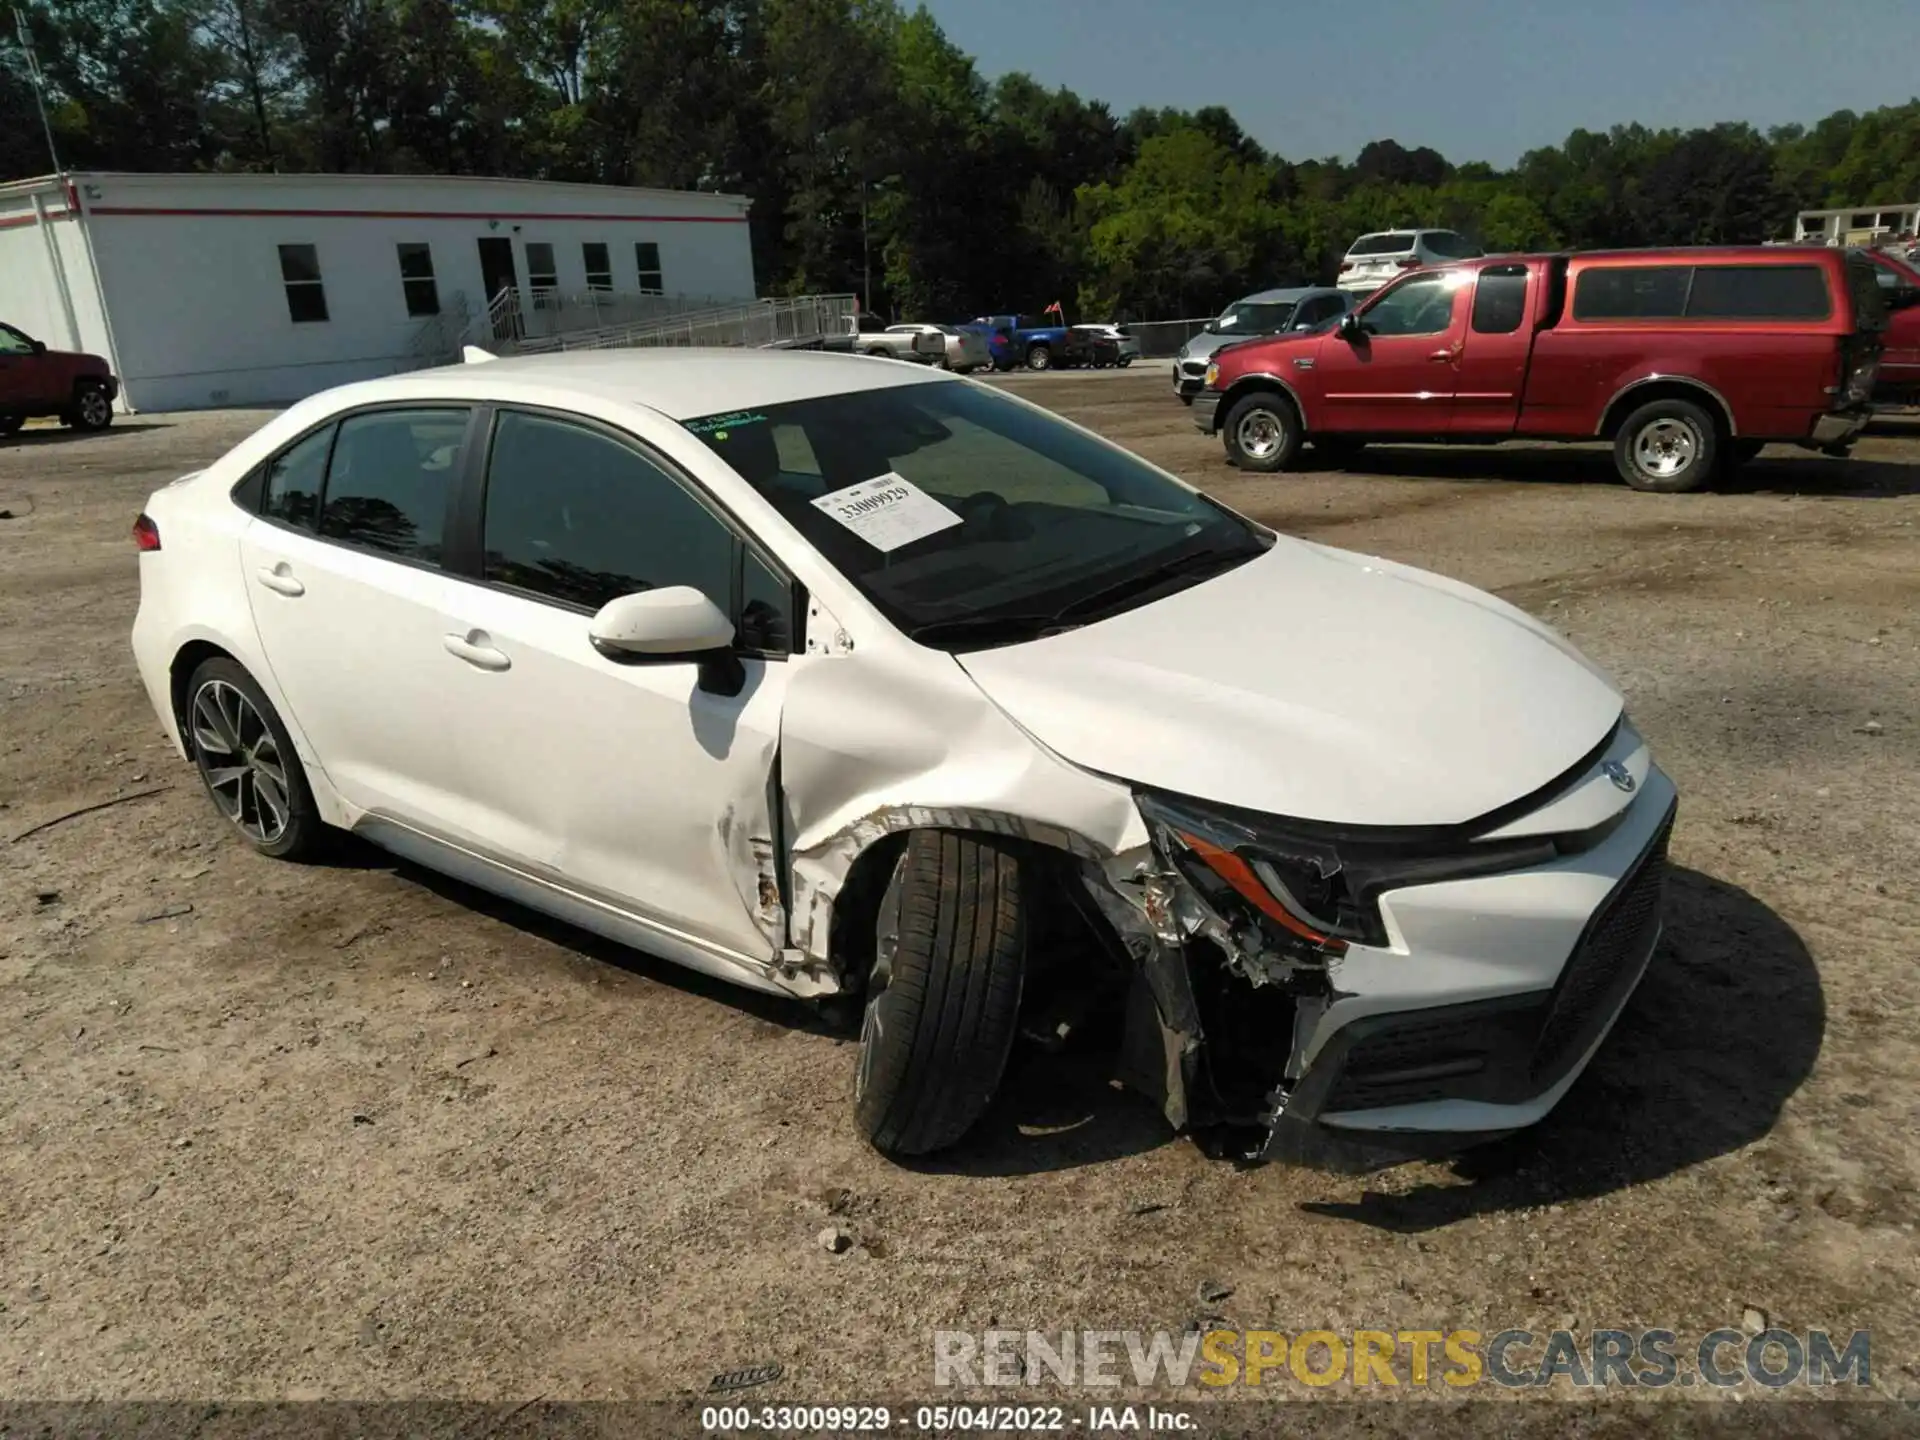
39, 346
1350, 325
676, 622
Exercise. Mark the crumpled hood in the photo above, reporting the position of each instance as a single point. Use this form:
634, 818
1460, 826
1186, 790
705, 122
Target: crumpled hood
1317, 684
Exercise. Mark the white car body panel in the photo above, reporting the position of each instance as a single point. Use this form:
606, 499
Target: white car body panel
1308, 683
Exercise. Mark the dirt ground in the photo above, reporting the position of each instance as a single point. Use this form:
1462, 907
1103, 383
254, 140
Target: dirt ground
359, 1132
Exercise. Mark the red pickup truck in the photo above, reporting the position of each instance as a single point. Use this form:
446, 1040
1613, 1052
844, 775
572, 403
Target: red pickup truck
34, 380
1688, 360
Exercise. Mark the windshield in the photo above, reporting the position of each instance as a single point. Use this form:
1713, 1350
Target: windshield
1266, 318
954, 507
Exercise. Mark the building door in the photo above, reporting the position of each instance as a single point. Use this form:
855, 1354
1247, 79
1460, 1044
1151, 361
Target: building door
497, 278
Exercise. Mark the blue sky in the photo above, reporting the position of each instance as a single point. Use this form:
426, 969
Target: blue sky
1475, 79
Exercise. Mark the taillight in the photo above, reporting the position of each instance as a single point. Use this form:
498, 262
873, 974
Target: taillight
1345, 265
146, 534
1408, 262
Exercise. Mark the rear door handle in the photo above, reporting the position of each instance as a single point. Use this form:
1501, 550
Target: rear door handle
473, 647
279, 579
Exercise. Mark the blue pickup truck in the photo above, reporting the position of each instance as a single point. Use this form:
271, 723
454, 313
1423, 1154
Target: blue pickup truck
1030, 340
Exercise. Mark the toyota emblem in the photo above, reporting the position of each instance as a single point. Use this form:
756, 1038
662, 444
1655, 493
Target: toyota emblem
1621, 777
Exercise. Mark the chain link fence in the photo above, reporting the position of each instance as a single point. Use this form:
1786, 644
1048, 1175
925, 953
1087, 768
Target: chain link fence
1162, 339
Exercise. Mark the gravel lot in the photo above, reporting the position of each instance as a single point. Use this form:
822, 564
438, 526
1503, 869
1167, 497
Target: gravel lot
357, 1131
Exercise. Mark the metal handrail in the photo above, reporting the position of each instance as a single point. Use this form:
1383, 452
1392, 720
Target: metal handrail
786, 321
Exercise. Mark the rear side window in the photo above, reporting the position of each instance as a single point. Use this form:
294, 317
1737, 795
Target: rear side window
1394, 242
1451, 245
388, 481
294, 478
1632, 292
1500, 300
576, 516
1759, 292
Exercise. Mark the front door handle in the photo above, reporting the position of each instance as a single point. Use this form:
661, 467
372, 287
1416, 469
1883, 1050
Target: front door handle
1450, 354
279, 579
475, 648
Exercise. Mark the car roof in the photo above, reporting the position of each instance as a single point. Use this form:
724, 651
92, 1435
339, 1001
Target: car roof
679, 382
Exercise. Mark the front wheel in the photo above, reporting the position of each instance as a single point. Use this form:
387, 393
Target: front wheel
1667, 447
943, 998
92, 410
1040, 357
246, 760
1262, 433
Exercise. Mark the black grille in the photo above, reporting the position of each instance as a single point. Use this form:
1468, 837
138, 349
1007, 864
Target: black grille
1603, 964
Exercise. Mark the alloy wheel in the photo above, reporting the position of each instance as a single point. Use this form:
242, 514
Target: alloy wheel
1260, 435
95, 408
1666, 447
237, 752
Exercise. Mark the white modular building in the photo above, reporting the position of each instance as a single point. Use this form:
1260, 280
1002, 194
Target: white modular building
236, 289
1859, 225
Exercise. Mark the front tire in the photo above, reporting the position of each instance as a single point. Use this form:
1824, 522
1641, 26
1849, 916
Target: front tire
1040, 357
247, 762
1667, 447
943, 999
1262, 433
92, 410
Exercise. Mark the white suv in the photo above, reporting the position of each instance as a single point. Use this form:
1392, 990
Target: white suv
1373, 260
842, 679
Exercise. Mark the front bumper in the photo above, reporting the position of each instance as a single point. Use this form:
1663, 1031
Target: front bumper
1206, 408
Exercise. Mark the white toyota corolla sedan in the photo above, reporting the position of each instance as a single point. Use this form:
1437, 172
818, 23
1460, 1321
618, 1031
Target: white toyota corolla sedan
836, 678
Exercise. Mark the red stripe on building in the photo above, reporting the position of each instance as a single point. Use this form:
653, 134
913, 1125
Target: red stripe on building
505, 215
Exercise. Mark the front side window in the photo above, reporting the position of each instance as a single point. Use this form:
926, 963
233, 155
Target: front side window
294, 478
13, 342
306, 293
542, 276
577, 516
1420, 306
967, 518
646, 259
1500, 300
416, 279
388, 480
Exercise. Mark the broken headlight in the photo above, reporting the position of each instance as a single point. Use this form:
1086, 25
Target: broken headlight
1296, 887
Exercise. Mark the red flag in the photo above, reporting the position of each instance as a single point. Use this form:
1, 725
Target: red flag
1054, 309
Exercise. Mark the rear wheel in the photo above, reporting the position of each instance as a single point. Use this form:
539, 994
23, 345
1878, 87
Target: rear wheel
1262, 433
943, 999
92, 410
1040, 357
1667, 446
247, 762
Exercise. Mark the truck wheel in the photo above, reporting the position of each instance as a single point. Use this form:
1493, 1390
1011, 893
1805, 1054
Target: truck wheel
1262, 432
1667, 446
943, 999
92, 410
1040, 357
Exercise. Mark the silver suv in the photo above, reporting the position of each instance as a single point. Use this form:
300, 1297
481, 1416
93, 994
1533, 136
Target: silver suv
1373, 260
1268, 312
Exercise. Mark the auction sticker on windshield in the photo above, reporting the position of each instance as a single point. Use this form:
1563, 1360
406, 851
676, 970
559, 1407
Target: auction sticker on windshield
888, 511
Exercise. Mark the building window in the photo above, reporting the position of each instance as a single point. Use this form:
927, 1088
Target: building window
599, 262
306, 296
646, 254
416, 278
542, 278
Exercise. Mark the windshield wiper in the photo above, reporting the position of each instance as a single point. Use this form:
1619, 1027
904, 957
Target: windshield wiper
990, 628
1194, 566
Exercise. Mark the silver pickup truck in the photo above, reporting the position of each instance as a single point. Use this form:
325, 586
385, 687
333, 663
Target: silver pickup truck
869, 335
